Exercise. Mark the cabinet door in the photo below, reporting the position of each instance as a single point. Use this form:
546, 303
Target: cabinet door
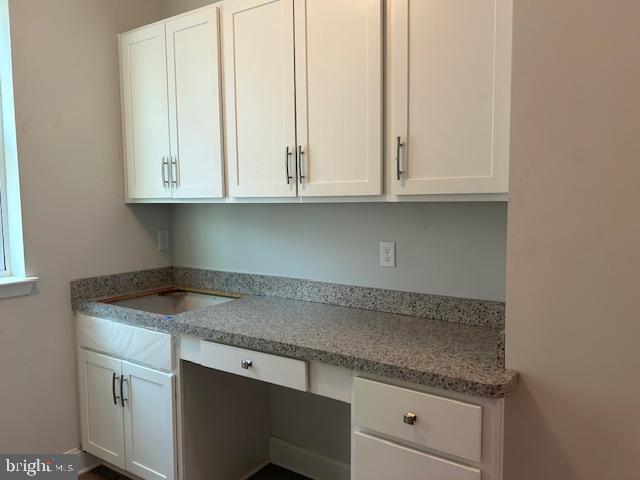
377, 459
259, 86
451, 87
194, 104
145, 111
149, 422
339, 96
101, 411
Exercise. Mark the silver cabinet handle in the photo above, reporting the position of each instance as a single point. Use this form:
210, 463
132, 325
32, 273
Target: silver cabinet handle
300, 154
165, 165
399, 145
287, 159
246, 364
409, 418
174, 171
113, 388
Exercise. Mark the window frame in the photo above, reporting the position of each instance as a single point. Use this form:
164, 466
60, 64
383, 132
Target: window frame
5, 251
13, 278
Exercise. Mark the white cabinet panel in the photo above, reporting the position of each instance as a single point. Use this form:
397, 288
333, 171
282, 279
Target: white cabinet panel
101, 411
145, 111
149, 347
450, 95
194, 104
284, 371
441, 423
149, 423
259, 85
339, 96
376, 459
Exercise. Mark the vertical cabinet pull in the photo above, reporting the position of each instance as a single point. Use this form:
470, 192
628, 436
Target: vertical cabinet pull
399, 146
122, 399
287, 159
113, 389
174, 171
300, 154
165, 176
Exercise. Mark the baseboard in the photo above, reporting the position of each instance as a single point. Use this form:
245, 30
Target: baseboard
85, 461
305, 462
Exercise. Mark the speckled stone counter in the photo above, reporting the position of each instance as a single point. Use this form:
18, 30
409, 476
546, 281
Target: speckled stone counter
447, 355
436, 307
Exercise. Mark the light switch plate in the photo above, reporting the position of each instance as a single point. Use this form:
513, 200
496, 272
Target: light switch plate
388, 254
163, 239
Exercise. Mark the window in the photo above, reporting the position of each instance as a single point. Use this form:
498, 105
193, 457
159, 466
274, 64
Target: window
13, 278
4, 230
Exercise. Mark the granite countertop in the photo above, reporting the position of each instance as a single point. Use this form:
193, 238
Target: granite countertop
452, 356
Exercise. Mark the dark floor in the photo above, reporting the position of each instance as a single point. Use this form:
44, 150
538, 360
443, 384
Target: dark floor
273, 472
102, 473
270, 472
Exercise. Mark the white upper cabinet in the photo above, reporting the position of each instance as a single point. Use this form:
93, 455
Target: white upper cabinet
339, 97
260, 96
315, 130
450, 96
194, 104
303, 100
145, 112
171, 108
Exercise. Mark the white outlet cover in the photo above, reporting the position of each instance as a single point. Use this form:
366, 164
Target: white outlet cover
163, 240
388, 254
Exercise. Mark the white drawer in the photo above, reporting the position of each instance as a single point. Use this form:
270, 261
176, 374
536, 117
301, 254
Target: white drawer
441, 424
140, 345
287, 372
376, 459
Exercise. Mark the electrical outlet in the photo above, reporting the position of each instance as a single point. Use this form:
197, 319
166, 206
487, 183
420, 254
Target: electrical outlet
388, 254
163, 239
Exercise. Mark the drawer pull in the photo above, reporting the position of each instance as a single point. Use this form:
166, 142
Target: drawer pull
409, 418
246, 364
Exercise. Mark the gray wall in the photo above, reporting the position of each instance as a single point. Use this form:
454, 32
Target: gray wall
449, 249
67, 103
573, 314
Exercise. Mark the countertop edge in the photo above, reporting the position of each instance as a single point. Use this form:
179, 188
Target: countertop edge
500, 389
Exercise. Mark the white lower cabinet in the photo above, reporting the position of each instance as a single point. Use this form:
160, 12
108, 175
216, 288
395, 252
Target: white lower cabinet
102, 421
128, 415
408, 434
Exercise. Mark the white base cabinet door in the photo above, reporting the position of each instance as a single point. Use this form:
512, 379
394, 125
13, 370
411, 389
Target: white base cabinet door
101, 411
128, 415
149, 422
450, 96
377, 459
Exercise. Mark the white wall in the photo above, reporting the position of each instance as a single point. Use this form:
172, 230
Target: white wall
448, 249
175, 7
573, 313
75, 222
319, 424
